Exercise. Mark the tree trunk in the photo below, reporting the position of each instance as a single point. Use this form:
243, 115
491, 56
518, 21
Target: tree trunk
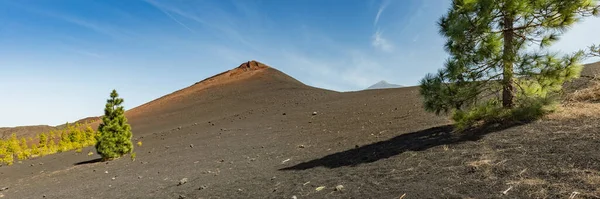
508, 93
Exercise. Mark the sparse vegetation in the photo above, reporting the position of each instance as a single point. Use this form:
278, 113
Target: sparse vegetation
584, 103
114, 133
492, 74
133, 156
46, 145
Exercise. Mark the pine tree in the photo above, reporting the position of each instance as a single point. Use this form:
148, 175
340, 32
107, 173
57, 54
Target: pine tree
114, 133
498, 56
594, 51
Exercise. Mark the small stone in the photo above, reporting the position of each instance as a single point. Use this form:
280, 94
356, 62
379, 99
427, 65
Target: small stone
202, 187
314, 113
240, 190
301, 146
41, 163
181, 197
221, 160
3, 188
178, 128
273, 178
182, 181
294, 197
339, 188
105, 171
191, 146
283, 114
114, 178
139, 177
43, 196
31, 165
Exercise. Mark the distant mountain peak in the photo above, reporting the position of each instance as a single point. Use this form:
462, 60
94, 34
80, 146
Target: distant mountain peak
382, 85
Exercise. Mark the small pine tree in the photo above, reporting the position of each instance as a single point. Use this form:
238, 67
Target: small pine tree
114, 133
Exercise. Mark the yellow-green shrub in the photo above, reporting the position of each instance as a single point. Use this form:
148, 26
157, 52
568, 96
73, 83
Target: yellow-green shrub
74, 137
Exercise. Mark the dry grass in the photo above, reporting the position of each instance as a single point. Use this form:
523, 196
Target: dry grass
589, 94
576, 110
530, 182
582, 103
480, 163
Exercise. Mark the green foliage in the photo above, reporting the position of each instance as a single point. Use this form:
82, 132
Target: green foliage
114, 133
594, 51
493, 63
72, 138
133, 156
493, 112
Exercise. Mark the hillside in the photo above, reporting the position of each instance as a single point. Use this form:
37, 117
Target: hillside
255, 132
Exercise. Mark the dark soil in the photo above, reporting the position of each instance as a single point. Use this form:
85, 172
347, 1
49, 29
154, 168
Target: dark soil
258, 138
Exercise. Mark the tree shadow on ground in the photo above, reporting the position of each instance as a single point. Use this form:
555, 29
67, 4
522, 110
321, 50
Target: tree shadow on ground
414, 141
89, 161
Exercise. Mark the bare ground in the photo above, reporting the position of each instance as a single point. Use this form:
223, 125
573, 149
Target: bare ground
258, 138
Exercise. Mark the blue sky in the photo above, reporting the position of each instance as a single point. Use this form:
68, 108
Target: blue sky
60, 59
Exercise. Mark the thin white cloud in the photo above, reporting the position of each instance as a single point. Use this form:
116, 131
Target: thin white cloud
381, 43
159, 7
224, 24
382, 7
104, 29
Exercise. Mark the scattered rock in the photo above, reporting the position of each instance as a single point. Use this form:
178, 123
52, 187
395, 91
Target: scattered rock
41, 163
105, 171
31, 165
283, 114
178, 128
3, 188
339, 188
314, 113
43, 196
294, 197
203, 187
240, 190
114, 178
221, 160
320, 188
301, 146
273, 178
182, 181
191, 145
181, 197
139, 177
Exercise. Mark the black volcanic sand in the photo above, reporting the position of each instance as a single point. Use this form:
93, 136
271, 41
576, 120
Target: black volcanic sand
259, 138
